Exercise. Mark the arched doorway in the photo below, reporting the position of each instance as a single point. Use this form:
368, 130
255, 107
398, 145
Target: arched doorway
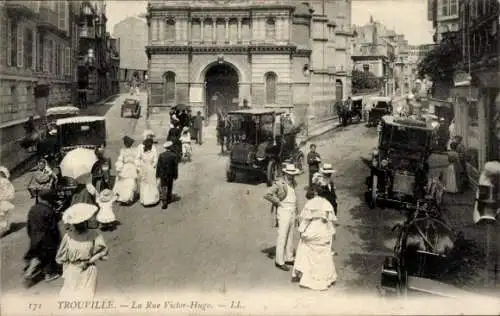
221, 89
339, 90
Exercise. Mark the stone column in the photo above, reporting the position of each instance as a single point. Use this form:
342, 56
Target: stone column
239, 29
155, 30
189, 30
214, 30
202, 29
280, 28
178, 29
227, 29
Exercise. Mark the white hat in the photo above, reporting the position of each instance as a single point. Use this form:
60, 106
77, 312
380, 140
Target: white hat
79, 213
167, 144
327, 168
290, 169
52, 131
148, 133
106, 195
185, 129
5, 171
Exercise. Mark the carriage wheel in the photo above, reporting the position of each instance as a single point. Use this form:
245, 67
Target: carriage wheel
271, 173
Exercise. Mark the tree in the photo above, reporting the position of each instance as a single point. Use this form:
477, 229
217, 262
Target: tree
441, 61
363, 80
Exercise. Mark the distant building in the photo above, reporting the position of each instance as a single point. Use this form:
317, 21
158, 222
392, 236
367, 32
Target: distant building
285, 54
445, 17
132, 34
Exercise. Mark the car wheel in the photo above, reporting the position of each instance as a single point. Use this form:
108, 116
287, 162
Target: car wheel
271, 173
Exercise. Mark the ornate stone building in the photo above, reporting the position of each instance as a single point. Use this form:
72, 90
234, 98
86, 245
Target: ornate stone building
271, 53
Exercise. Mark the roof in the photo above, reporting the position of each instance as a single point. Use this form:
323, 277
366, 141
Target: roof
256, 111
62, 110
405, 122
357, 98
80, 119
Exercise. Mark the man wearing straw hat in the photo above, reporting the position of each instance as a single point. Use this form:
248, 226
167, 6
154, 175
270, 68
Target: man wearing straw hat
283, 198
167, 172
325, 176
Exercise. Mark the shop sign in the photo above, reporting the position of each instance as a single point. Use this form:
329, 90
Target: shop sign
462, 78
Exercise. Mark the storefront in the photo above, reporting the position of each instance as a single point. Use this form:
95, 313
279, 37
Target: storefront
477, 115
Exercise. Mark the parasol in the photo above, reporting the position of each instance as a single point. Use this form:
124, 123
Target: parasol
78, 163
181, 107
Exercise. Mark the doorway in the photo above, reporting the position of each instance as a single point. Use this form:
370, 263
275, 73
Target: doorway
339, 90
221, 90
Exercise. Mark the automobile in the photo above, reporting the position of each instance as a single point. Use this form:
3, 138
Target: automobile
80, 132
59, 112
263, 140
380, 106
424, 250
399, 165
131, 107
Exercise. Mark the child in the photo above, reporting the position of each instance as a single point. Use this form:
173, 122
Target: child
186, 143
313, 160
44, 177
106, 216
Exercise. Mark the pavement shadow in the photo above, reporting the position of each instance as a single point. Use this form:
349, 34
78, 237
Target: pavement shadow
270, 252
14, 227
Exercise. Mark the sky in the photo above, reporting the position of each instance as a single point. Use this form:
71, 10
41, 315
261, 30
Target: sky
408, 17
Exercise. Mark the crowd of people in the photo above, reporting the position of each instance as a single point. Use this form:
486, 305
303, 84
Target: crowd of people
313, 266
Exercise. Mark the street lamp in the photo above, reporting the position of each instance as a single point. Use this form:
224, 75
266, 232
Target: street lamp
307, 73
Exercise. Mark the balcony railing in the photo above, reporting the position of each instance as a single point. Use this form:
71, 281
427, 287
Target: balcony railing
48, 19
22, 8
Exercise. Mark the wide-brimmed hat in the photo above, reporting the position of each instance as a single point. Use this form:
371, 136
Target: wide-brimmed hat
290, 169
167, 144
185, 129
42, 178
327, 168
52, 131
148, 133
128, 140
106, 195
5, 171
79, 213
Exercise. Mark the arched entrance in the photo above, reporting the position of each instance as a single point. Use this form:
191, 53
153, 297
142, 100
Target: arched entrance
221, 88
339, 90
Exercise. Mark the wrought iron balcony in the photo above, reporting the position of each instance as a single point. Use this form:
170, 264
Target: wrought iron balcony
48, 20
27, 9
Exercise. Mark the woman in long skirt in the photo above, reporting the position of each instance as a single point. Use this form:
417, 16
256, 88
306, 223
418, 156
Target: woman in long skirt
80, 250
7, 192
147, 158
126, 181
314, 267
452, 178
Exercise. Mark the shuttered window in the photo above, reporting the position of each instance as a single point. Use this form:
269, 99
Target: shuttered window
271, 82
20, 46
28, 48
40, 53
3, 39
67, 61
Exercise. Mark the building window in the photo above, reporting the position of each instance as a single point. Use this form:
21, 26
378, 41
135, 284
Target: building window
444, 7
170, 30
30, 97
63, 15
453, 7
208, 32
196, 30
67, 61
14, 99
270, 29
169, 87
271, 83
28, 49
156, 30
40, 53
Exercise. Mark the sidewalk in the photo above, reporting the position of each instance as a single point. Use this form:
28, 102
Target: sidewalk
472, 244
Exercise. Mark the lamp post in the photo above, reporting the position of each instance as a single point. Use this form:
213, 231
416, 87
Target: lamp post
307, 73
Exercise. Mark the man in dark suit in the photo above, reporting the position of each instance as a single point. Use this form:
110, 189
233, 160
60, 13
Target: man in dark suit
167, 172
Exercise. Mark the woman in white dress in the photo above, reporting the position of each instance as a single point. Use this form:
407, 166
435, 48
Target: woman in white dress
314, 267
79, 252
147, 158
126, 168
106, 217
7, 193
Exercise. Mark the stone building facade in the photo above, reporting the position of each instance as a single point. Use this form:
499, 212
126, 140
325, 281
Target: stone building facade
36, 49
224, 54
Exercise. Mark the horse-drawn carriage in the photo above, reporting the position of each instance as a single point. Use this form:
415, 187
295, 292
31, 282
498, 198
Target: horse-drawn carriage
263, 140
348, 111
131, 107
